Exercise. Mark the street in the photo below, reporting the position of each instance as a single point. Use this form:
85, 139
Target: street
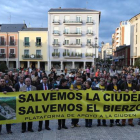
81, 133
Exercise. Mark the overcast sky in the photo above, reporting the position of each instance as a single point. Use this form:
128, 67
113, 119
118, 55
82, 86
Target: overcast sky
35, 12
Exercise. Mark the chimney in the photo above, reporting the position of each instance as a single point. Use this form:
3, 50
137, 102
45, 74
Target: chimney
59, 7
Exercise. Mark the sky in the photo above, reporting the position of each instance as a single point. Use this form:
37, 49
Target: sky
35, 12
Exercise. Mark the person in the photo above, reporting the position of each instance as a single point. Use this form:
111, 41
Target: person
66, 71
27, 87
88, 71
128, 86
88, 122
97, 73
61, 122
77, 86
11, 76
19, 84
5, 89
35, 80
7, 80
114, 87
101, 86
44, 86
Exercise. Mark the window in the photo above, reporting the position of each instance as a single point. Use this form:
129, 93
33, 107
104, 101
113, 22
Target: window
26, 40
56, 18
26, 52
89, 30
136, 27
78, 30
78, 18
136, 39
88, 41
12, 40
38, 52
55, 50
56, 30
66, 30
89, 19
67, 18
66, 41
38, 41
78, 41
1, 40
2, 51
55, 41
12, 51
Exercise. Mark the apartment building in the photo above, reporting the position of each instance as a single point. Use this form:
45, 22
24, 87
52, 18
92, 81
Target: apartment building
135, 39
73, 36
33, 48
9, 44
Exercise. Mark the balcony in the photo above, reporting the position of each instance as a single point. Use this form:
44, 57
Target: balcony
72, 22
72, 33
90, 45
12, 43
56, 33
32, 57
26, 44
72, 55
89, 55
56, 22
76, 45
11, 55
90, 22
56, 44
38, 44
56, 55
121, 57
2, 43
90, 33
2, 55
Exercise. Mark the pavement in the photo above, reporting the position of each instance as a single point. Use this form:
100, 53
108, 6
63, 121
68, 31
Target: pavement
81, 133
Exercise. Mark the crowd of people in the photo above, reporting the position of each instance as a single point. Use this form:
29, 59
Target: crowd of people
127, 80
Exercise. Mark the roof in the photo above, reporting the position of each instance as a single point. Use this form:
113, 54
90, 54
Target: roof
134, 16
122, 47
12, 27
71, 10
35, 29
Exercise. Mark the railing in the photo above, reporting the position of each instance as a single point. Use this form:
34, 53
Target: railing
2, 55
2, 43
89, 32
89, 55
12, 43
33, 56
72, 33
56, 32
72, 21
26, 43
11, 55
89, 44
56, 21
90, 22
38, 44
72, 54
56, 44
75, 45
54, 54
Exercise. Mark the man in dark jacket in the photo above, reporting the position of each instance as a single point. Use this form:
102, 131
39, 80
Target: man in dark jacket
128, 86
114, 87
19, 84
44, 86
5, 89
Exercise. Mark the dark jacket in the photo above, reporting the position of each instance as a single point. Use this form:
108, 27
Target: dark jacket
40, 87
8, 89
61, 87
110, 87
124, 86
17, 86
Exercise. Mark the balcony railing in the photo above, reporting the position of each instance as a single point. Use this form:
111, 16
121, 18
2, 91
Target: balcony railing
38, 44
56, 44
33, 56
72, 22
89, 44
89, 22
54, 54
26, 44
73, 45
56, 22
11, 55
89, 55
2, 55
2, 43
89, 32
56, 33
12, 43
72, 33
72, 55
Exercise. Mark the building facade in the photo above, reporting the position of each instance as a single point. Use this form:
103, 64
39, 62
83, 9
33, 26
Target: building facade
33, 50
106, 51
122, 56
72, 37
135, 38
9, 44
